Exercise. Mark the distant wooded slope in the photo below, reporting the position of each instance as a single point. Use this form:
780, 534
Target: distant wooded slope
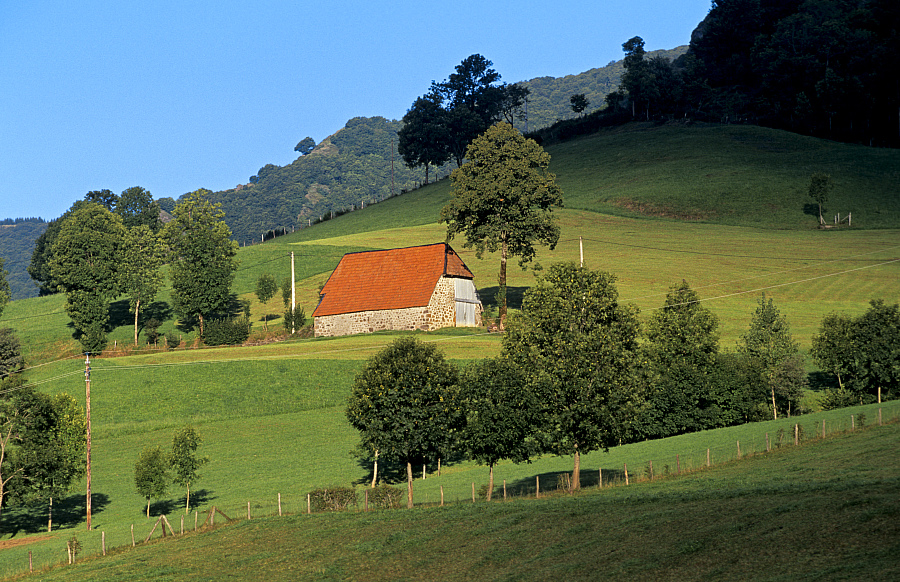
359, 164
16, 246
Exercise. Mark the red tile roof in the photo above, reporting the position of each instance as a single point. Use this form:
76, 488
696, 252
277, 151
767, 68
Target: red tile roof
389, 279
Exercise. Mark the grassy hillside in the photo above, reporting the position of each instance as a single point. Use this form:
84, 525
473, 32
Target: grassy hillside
724, 207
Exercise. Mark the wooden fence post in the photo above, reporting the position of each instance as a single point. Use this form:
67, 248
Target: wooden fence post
279, 501
504, 490
103, 541
600, 478
767, 443
30, 562
182, 524
195, 519
626, 472
707, 458
365, 502
537, 487
132, 535
739, 449
308, 505
796, 434
852, 422
248, 510
442, 495
473, 491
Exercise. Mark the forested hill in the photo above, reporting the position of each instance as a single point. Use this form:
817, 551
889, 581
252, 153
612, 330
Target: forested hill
548, 101
16, 245
359, 164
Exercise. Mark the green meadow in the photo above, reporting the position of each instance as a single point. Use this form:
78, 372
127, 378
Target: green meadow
724, 208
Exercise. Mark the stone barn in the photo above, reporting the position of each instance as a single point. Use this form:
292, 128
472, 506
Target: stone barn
425, 287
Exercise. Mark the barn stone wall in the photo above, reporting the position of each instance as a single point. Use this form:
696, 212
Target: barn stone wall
440, 312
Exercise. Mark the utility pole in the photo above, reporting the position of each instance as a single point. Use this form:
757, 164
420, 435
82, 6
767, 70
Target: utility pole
581, 250
87, 398
293, 295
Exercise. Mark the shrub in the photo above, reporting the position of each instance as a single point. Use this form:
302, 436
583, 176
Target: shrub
172, 340
839, 398
332, 499
226, 332
151, 330
294, 319
385, 496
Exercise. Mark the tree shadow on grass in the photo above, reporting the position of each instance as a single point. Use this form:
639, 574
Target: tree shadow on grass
554, 481
198, 498
394, 472
67, 513
234, 308
514, 295
820, 381
813, 210
120, 314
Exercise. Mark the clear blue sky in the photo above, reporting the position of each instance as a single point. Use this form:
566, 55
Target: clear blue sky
179, 95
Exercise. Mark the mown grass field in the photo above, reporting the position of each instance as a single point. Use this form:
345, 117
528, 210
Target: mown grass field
271, 416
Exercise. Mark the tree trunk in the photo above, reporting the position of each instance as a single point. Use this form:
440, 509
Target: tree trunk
409, 485
576, 472
502, 282
490, 482
774, 410
187, 499
375, 470
137, 309
200, 315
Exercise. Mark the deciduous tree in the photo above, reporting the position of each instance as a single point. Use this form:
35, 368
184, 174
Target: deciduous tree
577, 348
876, 336
682, 345
769, 345
501, 414
833, 348
266, 287
85, 264
405, 404
202, 258
185, 461
11, 360
424, 138
136, 207
579, 103
503, 198
142, 256
820, 187
151, 474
